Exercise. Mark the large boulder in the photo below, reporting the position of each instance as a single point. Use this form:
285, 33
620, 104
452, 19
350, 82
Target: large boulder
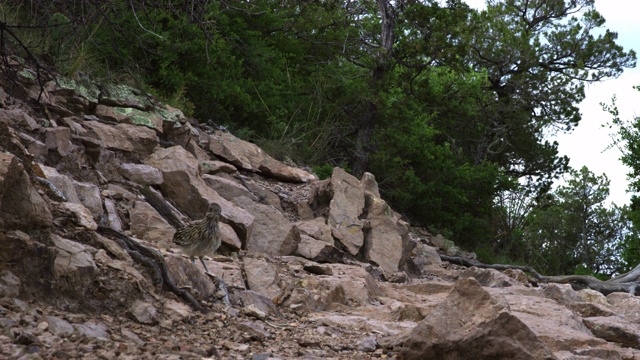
147, 224
625, 305
345, 209
191, 194
141, 174
344, 286
250, 157
123, 137
472, 324
130, 116
317, 229
272, 232
319, 251
262, 277
21, 207
124, 96
74, 267
383, 241
59, 139
32, 261
89, 196
63, 183
614, 329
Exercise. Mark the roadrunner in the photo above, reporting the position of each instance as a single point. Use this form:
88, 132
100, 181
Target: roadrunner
201, 237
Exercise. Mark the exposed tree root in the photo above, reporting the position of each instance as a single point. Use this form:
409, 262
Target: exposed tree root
629, 282
155, 261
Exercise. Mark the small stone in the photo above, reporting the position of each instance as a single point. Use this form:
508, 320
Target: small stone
253, 311
43, 326
368, 344
143, 312
257, 331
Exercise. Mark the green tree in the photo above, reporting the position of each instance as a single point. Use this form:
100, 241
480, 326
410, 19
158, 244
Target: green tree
537, 56
627, 138
572, 229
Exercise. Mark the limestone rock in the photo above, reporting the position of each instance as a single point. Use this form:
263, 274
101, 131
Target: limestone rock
147, 224
143, 312
190, 193
59, 326
63, 183
9, 284
35, 147
18, 118
626, 306
185, 274
255, 330
472, 324
112, 247
123, 137
562, 293
587, 309
229, 237
304, 210
370, 184
250, 157
272, 232
262, 277
384, 245
593, 296
124, 96
89, 196
59, 139
317, 250
130, 115
518, 275
347, 204
368, 344
80, 214
273, 168
238, 152
426, 257
113, 219
614, 329
177, 311
74, 267
255, 299
141, 174
32, 261
93, 329
488, 277
317, 229
214, 166
226, 188
348, 285
21, 207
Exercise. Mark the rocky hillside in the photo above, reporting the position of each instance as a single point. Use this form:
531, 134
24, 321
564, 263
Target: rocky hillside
94, 179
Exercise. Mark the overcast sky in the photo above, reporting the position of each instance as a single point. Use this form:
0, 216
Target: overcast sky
587, 143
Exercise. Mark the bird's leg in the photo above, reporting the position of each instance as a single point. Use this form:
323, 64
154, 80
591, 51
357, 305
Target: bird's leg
203, 264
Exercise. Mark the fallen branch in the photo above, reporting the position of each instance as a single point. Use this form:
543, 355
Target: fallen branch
166, 210
468, 262
629, 282
154, 260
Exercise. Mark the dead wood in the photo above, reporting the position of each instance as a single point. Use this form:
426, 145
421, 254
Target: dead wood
163, 207
628, 282
153, 260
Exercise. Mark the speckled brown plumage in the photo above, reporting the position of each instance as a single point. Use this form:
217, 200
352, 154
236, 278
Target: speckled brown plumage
202, 237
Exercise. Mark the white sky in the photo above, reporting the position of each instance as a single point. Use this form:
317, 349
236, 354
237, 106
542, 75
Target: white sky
587, 143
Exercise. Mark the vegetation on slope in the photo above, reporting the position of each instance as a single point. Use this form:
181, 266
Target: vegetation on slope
448, 106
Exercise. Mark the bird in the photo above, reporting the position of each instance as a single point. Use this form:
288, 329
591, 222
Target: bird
201, 237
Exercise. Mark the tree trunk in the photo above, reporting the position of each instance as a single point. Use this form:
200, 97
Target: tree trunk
365, 125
